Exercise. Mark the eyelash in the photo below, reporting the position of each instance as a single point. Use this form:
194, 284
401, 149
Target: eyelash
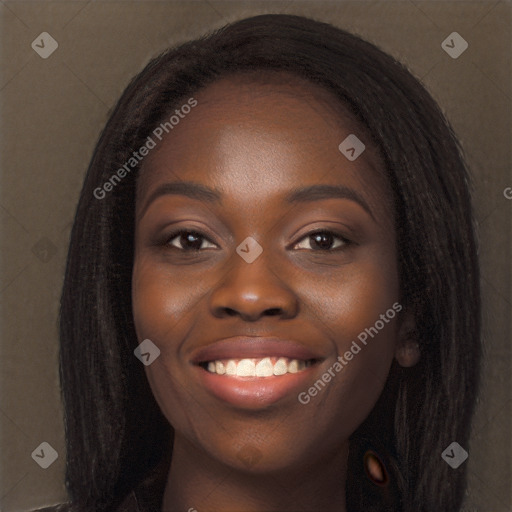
169, 238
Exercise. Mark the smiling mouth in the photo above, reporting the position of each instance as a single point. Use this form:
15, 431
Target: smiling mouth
254, 373
257, 367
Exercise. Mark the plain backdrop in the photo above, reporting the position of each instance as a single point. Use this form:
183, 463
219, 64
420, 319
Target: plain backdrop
52, 110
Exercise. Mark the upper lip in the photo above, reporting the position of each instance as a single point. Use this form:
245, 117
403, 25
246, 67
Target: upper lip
243, 347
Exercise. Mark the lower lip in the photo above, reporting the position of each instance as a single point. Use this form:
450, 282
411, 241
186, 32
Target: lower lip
255, 392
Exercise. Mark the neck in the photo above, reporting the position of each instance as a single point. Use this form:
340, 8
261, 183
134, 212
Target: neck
197, 482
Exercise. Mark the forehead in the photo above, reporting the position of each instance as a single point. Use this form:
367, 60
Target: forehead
267, 134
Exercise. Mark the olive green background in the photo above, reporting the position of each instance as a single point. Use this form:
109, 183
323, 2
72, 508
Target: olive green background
53, 109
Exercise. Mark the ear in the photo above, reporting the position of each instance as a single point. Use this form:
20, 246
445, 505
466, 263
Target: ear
407, 351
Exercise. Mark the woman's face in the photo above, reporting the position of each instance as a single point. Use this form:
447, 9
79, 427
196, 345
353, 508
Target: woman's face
265, 275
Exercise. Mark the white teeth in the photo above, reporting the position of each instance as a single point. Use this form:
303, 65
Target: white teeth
264, 367
246, 368
231, 368
293, 367
281, 366
219, 367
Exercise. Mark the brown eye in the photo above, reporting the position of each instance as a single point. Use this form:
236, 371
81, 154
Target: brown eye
187, 240
323, 241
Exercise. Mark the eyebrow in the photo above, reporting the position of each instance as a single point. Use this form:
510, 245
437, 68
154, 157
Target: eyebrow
184, 188
318, 192
299, 195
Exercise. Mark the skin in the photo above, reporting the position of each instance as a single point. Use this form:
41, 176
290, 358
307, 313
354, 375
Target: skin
254, 141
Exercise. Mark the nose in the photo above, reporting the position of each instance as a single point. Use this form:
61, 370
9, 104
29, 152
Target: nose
252, 290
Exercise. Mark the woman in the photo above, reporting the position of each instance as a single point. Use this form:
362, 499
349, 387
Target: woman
271, 300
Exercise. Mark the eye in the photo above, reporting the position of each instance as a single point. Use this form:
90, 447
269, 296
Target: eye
188, 240
192, 241
323, 241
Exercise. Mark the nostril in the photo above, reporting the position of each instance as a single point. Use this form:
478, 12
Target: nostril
269, 312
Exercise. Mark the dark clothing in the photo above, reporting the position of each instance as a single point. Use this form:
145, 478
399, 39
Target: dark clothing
147, 496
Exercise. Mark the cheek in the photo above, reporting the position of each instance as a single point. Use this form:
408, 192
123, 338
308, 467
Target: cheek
359, 313
352, 393
161, 302
353, 299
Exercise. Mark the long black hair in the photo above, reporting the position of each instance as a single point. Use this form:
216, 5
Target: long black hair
115, 431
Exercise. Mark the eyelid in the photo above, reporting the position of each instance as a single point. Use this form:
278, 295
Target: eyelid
166, 240
346, 241
178, 231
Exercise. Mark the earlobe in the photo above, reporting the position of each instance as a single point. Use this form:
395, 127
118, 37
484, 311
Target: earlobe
407, 352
